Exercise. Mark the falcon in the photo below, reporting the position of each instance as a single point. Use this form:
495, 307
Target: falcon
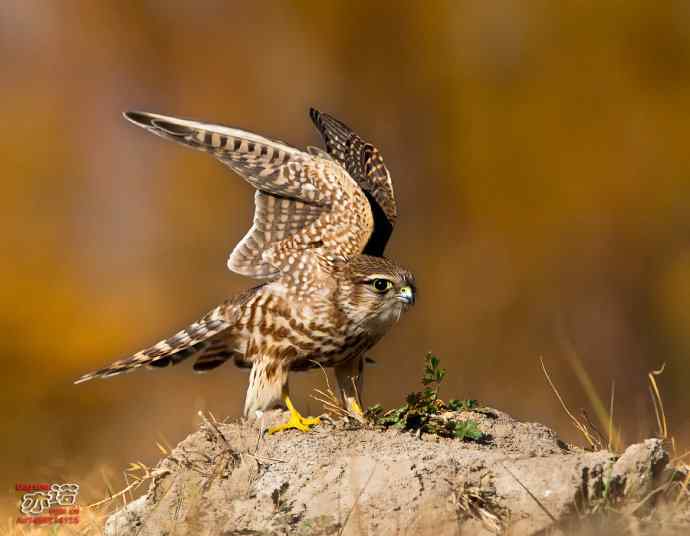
322, 220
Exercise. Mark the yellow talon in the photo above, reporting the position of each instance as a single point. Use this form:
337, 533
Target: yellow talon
296, 421
355, 408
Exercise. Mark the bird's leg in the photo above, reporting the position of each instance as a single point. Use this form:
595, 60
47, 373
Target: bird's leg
268, 387
296, 420
350, 381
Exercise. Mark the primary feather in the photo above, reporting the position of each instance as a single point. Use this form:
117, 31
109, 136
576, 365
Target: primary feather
364, 163
304, 201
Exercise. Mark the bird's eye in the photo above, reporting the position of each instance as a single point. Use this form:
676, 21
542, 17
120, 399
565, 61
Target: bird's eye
381, 285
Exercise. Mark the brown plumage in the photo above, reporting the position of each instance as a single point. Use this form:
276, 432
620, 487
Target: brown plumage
323, 301
365, 165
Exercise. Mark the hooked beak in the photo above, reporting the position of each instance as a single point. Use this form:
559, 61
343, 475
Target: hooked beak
406, 295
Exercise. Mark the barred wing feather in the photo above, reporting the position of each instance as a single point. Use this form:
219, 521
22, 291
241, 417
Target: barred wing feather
309, 211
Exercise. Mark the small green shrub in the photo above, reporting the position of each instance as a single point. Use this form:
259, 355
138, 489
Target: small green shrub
423, 410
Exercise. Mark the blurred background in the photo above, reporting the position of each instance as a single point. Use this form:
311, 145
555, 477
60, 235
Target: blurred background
541, 159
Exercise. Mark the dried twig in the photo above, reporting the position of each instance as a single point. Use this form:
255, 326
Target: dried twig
532, 495
213, 426
480, 504
264, 459
329, 399
658, 403
137, 481
354, 504
580, 426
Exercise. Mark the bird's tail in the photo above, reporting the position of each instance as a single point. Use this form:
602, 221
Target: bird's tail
207, 339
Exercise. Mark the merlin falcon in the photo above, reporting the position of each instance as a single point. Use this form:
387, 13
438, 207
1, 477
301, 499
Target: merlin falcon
322, 220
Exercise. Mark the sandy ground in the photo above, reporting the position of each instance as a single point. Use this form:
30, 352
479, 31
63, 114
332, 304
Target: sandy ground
343, 478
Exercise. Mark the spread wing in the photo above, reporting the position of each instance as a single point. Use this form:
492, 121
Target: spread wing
364, 163
309, 212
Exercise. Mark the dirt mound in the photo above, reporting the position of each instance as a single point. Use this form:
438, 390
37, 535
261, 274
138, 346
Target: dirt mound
346, 479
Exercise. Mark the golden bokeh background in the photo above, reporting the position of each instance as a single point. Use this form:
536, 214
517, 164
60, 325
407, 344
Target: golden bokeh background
541, 158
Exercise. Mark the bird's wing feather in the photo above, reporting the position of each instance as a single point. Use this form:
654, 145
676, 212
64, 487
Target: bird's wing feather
185, 343
365, 165
215, 337
309, 211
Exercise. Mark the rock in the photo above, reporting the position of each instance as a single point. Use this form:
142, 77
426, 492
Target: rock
127, 519
346, 479
637, 471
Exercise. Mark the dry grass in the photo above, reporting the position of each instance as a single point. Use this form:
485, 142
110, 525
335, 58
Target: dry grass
481, 504
330, 401
93, 517
590, 434
611, 513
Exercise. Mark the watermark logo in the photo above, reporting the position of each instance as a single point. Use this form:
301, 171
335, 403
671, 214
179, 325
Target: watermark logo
43, 503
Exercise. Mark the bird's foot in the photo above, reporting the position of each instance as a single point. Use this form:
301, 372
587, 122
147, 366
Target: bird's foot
303, 424
296, 421
353, 409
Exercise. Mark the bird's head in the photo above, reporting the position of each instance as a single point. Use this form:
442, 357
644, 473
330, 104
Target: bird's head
378, 291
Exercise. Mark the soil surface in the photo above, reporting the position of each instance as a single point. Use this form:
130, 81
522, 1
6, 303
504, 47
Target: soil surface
345, 478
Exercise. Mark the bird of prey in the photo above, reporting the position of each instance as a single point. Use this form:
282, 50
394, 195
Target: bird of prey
321, 222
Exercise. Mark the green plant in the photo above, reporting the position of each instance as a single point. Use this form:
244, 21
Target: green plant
425, 412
